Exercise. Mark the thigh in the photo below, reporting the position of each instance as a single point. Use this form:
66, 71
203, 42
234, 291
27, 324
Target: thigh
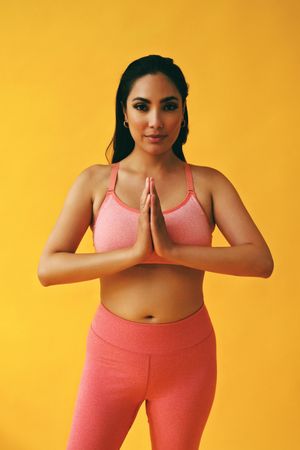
111, 390
180, 396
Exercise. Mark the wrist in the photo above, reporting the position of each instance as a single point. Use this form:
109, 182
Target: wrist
170, 251
135, 255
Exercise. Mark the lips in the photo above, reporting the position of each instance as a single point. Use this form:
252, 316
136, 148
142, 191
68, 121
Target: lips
155, 139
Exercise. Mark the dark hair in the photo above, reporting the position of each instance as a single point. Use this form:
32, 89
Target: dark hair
122, 140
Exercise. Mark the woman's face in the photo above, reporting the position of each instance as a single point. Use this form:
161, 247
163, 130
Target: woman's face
150, 111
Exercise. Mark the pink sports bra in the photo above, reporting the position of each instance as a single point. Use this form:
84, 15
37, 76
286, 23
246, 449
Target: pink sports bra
115, 225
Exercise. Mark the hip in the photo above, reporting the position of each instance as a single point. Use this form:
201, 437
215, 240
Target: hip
156, 338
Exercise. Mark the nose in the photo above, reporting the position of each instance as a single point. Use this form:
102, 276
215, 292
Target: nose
155, 120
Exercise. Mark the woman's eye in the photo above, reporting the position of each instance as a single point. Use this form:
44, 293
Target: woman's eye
173, 105
137, 106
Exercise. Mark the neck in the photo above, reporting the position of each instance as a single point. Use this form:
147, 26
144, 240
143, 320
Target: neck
151, 165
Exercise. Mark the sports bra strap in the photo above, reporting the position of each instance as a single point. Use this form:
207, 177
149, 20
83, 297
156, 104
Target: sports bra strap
189, 177
113, 176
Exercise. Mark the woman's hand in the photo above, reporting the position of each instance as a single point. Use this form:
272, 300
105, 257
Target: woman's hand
143, 246
160, 237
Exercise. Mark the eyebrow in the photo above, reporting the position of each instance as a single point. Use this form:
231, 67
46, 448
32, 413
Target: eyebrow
166, 99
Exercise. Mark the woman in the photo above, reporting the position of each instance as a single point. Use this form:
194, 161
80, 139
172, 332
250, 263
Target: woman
152, 215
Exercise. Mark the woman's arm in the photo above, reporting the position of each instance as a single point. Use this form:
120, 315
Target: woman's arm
243, 260
64, 267
59, 264
249, 255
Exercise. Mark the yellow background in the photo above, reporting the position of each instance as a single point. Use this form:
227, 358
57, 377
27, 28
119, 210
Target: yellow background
61, 62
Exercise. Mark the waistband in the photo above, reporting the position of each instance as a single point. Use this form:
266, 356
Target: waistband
156, 338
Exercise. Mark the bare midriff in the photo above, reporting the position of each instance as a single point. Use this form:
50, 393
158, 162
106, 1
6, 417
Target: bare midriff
153, 293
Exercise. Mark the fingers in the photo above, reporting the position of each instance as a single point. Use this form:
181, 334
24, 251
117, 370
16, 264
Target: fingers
151, 185
147, 204
145, 197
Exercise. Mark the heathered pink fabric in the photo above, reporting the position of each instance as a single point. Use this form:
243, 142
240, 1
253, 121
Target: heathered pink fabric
172, 367
116, 224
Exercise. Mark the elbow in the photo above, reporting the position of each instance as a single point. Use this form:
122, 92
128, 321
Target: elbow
42, 278
43, 275
268, 267
263, 262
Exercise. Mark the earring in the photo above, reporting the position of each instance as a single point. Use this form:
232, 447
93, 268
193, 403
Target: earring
125, 123
183, 123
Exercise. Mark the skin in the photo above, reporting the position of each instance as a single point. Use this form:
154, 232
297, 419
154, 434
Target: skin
155, 293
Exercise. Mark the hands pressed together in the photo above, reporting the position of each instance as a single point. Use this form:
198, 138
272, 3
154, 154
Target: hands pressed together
152, 231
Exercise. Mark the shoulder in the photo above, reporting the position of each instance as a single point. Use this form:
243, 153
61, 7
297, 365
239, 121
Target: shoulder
207, 171
205, 175
84, 182
95, 172
202, 170
212, 177
96, 177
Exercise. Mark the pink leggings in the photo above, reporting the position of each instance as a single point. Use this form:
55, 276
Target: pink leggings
171, 366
